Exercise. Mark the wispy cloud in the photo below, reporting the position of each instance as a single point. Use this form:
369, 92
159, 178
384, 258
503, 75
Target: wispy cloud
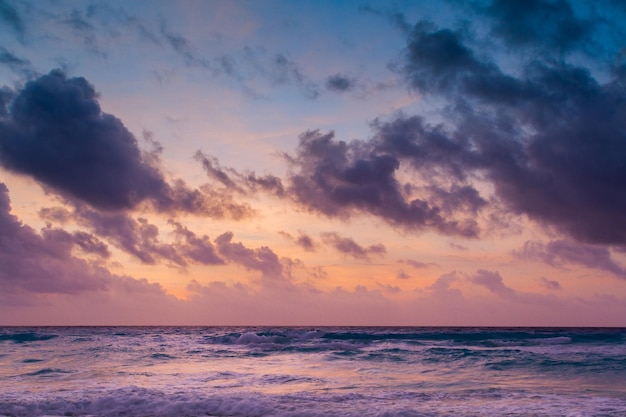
348, 246
560, 253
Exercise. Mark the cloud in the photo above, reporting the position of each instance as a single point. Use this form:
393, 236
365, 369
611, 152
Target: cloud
402, 275
441, 288
196, 248
138, 237
82, 27
215, 171
262, 259
303, 240
282, 70
182, 46
492, 281
338, 179
349, 247
10, 16
56, 132
39, 264
340, 83
559, 253
16, 64
242, 183
223, 304
533, 135
6, 96
88, 243
551, 24
550, 284
416, 264
279, 69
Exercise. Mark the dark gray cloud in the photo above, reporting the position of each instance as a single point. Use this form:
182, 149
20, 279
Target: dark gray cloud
83, 28
262, 259
16, 64
55, 131
550, 139
283, 70
340, 83
560, 253
11, 17
6, 96
349, 247
279, 69
182, 46
338, 179
550, 24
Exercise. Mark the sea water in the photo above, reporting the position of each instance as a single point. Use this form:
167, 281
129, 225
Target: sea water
228, 371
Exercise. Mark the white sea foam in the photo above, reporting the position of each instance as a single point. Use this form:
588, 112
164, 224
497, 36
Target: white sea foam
134, 401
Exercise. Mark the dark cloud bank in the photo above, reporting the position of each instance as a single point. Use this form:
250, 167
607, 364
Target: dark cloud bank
549, 138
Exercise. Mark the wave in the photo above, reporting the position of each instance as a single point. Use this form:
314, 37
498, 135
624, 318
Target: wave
47, 372
25, 337
163, 356
355, 338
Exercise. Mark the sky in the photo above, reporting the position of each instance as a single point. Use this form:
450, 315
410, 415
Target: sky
450, 163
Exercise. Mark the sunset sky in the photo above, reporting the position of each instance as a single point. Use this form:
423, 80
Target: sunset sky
313, 162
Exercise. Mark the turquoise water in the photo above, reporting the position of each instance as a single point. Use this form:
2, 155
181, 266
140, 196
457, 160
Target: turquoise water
228, 371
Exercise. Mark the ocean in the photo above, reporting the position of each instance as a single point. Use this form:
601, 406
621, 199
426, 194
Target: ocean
325, 371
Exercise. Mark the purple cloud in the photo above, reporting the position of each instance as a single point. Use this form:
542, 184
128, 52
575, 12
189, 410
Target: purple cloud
196, 248
262, 259
234, 181
494, 283
139, 238
338, 179
349, 247
533, 135
550, 284
340, 83
545, 24
45, 264
416, 264
55, 131
561, 252
303, 240
88, 243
